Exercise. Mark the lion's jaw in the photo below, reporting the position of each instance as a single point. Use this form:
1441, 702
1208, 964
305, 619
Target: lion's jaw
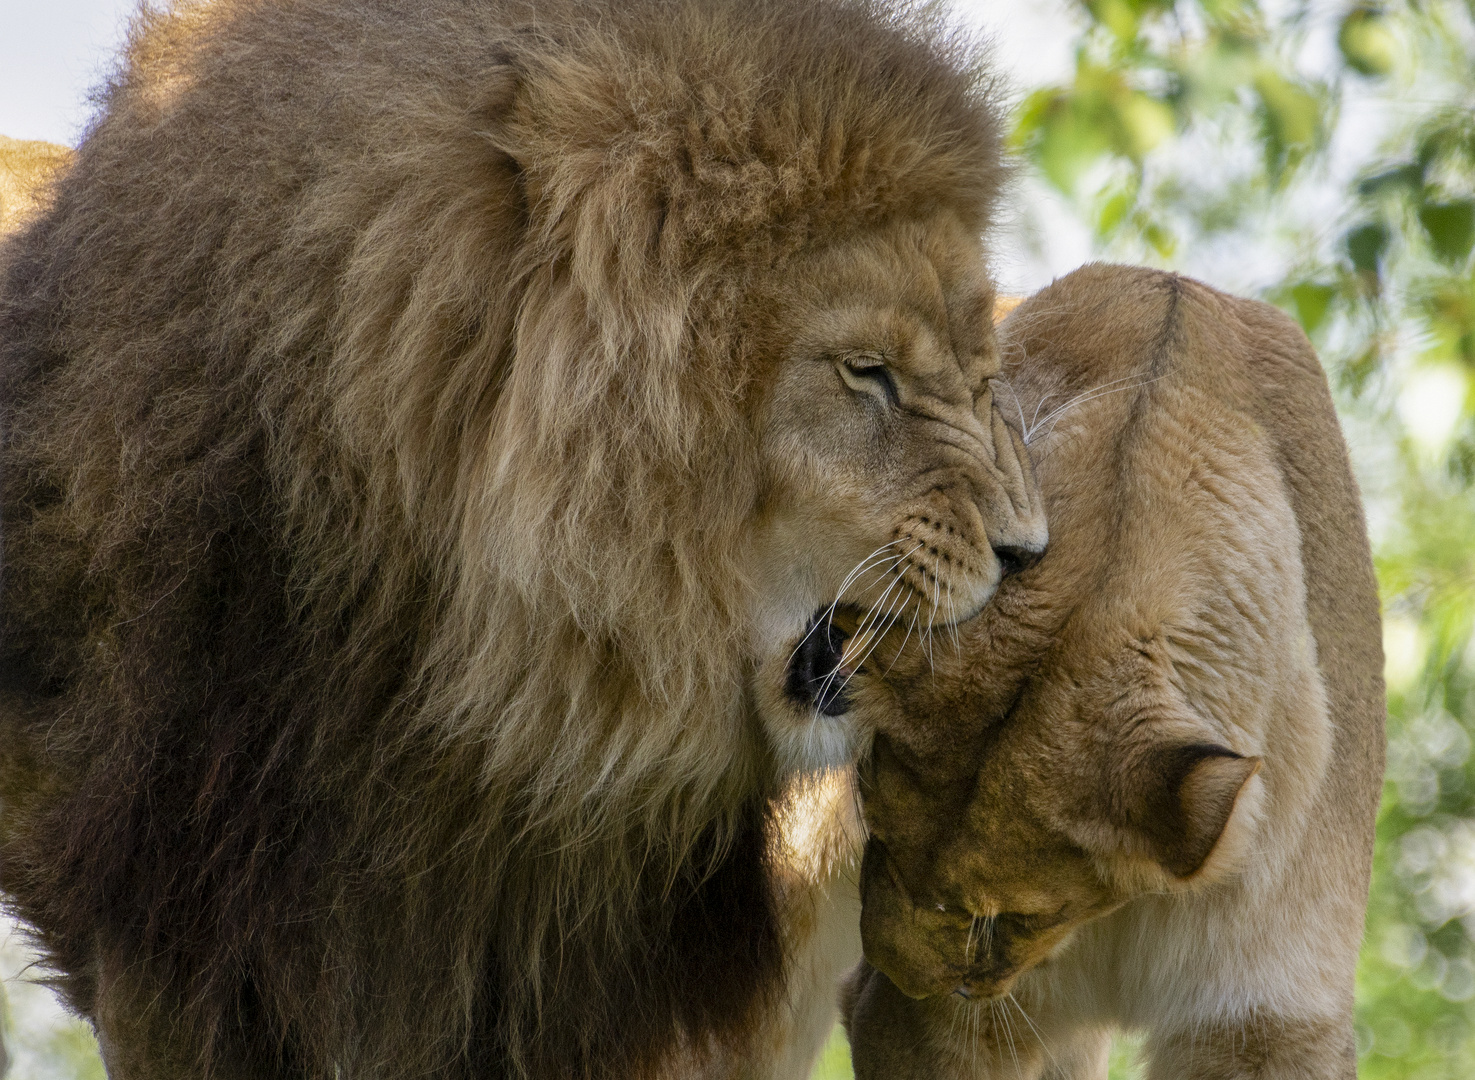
895, 491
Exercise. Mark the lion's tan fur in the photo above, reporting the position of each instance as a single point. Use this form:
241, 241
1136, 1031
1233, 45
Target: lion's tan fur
1140, 794
378, 390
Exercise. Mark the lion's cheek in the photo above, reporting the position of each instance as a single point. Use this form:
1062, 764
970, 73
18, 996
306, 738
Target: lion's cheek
801, 736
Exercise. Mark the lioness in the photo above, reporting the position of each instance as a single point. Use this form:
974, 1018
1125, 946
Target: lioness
1139, 790
425, 427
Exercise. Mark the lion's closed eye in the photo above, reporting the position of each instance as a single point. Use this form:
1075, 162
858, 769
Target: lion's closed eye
866, 374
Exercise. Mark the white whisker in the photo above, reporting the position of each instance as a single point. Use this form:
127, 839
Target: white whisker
829, 614
915, 616
1039, 1036
865, 626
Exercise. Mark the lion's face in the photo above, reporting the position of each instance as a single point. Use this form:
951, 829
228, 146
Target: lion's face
894, 487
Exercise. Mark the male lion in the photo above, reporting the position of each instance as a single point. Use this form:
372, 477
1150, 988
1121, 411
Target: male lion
426, 426
1141, 791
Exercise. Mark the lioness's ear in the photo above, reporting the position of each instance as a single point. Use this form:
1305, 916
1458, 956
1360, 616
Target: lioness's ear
1184, 798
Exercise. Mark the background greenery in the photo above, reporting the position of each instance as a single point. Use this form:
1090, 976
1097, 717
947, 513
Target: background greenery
1322, 156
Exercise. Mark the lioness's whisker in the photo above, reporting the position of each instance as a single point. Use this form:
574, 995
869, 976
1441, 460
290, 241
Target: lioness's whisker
993, 1025
1039, 1036
1009, 1034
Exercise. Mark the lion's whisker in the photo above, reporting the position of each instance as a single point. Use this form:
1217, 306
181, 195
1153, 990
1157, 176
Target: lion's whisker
912, 626
874, 640
1089, 396
849, 579
1035, 417
1039, 421
866, 626
868, 620
952, 622
1018, 407
932, 626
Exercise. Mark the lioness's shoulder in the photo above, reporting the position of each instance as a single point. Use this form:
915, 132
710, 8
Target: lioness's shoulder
1104, 321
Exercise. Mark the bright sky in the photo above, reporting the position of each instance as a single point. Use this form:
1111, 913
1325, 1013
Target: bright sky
53, 51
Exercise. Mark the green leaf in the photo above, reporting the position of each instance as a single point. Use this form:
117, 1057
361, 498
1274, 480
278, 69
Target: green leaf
1451, 228
1402, 179
1114, 211
1367, 45
1118, 16
1366, 246
1311, 302
1291, 118
1144, 123
1159, 239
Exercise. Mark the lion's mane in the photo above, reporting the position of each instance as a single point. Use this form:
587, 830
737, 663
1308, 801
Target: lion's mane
376, 447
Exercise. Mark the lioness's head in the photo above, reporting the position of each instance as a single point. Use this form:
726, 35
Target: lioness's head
1140, 712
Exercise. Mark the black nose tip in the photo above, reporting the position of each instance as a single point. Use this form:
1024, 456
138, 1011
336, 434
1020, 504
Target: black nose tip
1014, 559
814, 679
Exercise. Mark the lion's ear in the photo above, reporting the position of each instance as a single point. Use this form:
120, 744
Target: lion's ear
1182, 798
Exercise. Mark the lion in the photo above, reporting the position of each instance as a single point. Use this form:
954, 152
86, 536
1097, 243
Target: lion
428, 428
1140, 791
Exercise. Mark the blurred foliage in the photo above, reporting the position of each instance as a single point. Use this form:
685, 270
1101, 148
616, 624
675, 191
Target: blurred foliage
834, 1059
41, 1040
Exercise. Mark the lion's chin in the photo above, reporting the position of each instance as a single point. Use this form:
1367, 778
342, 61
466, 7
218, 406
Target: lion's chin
824, 742
804, 698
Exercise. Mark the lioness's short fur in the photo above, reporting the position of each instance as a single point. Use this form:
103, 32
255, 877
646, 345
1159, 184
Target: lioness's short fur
1140, 792
26, 168
428, 424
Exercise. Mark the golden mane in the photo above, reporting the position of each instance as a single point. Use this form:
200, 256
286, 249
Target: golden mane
377, 407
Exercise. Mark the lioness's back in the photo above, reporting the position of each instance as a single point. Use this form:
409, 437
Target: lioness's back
1134, 324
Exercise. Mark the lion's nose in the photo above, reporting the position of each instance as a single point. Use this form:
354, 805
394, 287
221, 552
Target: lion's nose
1013, 558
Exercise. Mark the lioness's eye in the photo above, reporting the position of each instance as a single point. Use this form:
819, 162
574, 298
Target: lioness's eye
868, 375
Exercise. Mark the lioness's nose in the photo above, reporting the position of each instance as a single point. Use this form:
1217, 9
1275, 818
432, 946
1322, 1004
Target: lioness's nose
1014, 558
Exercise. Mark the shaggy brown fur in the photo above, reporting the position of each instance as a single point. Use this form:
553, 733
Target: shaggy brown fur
388, 411
1141, 793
